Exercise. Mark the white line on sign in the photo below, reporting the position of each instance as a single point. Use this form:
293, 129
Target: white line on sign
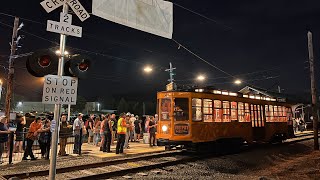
78, 9
50, 5
64, 28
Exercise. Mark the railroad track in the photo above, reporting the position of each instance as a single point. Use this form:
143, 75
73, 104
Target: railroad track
84, 167
129, 165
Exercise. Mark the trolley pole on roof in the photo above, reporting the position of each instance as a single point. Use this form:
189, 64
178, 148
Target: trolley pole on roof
313, 92
170, 70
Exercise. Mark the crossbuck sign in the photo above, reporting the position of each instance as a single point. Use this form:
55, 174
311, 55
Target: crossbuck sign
65, 26
60, 90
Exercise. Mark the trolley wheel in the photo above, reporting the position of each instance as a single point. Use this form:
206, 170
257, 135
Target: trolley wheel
167, 147
179, 147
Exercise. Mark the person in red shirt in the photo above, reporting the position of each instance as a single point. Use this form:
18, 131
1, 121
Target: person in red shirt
35, 128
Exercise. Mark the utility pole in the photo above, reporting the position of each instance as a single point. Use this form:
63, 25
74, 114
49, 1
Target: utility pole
313, 92
13, 45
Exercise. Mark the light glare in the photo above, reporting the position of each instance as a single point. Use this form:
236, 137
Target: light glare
147, 69
201, 77
65, 52
238, 81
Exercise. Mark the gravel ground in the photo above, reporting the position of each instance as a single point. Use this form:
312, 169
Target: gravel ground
38, 165
288, 161
293, 161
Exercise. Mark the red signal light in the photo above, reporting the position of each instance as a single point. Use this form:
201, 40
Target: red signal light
44, 61
83, 66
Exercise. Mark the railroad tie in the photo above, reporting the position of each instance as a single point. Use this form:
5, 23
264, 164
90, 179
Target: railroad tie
87, 172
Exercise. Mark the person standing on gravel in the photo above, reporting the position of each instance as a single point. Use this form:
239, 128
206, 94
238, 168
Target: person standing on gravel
78, 126
20, 121
102, 130
132, 134
45, 139
127, 119
63, 135
89, 128
32, 135
122, 130
3, 135
114, 128
107, 134
96, 130
137, 129
152, 131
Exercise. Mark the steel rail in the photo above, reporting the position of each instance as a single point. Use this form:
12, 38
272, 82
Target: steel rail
300, 138
92, 165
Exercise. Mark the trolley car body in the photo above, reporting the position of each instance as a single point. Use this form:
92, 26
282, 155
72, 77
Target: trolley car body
188, 118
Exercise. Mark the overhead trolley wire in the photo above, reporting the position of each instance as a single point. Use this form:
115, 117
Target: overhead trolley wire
203, 16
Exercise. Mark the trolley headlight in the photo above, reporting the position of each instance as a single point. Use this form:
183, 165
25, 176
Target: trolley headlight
164, 128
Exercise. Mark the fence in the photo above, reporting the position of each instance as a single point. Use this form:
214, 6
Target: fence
17, 145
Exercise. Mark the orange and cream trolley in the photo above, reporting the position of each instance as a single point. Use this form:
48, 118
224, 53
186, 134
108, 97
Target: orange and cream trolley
201, 116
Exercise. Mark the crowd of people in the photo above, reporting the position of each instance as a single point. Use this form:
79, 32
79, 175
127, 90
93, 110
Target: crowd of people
101, 131
104, 129
299, 125
39, 130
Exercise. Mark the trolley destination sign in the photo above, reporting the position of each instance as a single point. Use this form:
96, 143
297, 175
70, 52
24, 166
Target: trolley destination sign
60, 90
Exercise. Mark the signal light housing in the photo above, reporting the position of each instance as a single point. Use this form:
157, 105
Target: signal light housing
79, 66
45, 61
42, 62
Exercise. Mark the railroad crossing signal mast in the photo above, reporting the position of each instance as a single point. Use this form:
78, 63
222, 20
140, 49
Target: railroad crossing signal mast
64, 27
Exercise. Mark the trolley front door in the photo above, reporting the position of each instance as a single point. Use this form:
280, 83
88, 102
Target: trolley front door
258, 122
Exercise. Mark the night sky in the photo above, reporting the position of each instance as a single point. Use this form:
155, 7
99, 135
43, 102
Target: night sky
264, 43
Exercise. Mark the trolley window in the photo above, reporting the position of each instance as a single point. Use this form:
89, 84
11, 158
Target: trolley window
275, 114
282, 114
226, 111
207, 110
271, 114
247, 112
253, 116
268, 113
240, 112
217, 111
181, 109
196, 109
165, 109
234, 111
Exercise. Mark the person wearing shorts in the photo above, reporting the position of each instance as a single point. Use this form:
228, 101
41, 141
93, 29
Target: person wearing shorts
20, 121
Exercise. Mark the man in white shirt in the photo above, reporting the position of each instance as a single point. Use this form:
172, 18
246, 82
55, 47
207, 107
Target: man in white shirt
77, 127
131, 121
